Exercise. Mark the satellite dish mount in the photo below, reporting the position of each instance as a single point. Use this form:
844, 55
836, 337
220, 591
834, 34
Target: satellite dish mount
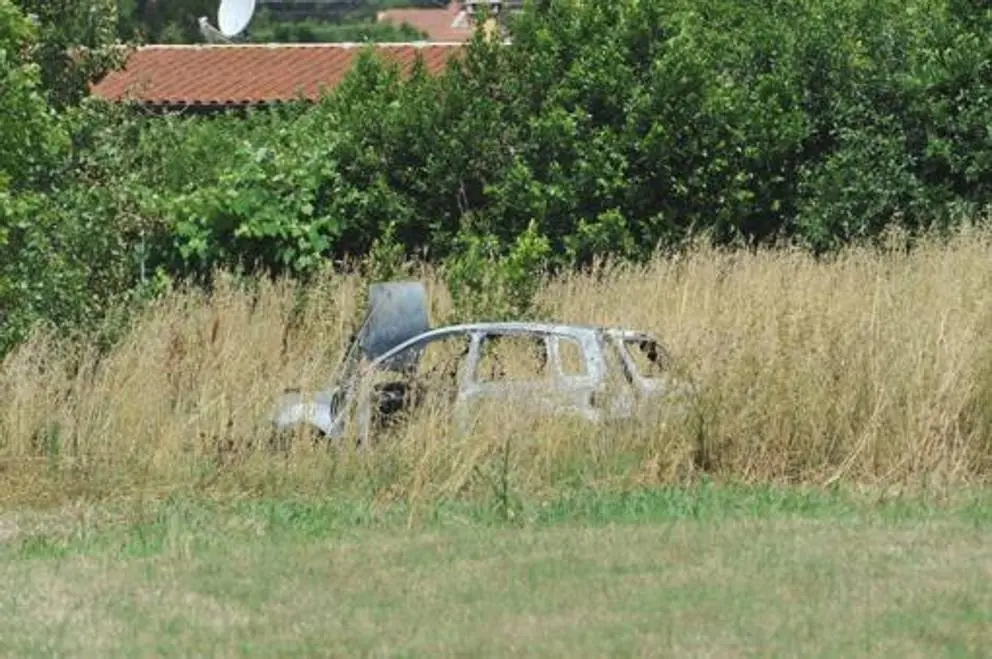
233, 17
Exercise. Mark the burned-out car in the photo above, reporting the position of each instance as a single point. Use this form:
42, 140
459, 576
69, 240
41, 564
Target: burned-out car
396, 361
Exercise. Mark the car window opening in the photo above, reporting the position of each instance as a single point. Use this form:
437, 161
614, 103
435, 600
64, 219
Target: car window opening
513, 358
647, 357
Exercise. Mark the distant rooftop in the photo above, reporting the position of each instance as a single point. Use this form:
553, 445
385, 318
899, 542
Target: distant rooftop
440, 23
454, 21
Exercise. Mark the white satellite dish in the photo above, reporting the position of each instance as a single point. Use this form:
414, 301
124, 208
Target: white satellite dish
233, 16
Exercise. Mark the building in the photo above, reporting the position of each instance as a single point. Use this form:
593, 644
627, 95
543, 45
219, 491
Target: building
210, 78
453, 22
442, 24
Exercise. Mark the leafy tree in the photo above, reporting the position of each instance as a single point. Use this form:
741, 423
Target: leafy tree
76, 44
30, 141
163, 21
604, 129
30, 138
311, 31
175, 21
616, 128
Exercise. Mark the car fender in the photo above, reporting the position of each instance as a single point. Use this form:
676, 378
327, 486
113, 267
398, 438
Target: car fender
294, 409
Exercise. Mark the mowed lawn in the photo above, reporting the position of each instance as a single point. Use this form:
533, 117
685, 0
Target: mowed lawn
711, 572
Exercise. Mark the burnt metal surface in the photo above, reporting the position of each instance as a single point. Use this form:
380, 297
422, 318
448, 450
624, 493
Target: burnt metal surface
398, 311
622, 370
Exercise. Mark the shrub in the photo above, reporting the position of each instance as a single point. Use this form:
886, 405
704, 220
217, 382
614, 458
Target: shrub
604, 130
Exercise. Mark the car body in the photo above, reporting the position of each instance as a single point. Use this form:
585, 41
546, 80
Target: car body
594, 373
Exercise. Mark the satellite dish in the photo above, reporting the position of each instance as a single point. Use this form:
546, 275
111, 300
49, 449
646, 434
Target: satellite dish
210, 33
233, 16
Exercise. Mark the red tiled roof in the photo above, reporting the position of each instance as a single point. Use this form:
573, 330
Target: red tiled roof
437, 23
245, 74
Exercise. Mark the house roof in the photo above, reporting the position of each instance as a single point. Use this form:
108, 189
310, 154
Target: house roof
439, 24
246, 74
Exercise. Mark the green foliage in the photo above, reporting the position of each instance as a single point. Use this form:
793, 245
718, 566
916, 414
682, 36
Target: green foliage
76, 44
604, 129
284, 201
490, 282
386, 259
31, 142
60, 266
312, 31
153, 21
175, 21
30, 139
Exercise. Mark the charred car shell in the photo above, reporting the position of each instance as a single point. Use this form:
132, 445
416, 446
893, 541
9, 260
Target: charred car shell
613, 373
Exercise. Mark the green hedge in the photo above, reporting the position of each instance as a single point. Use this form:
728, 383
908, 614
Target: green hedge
605, 129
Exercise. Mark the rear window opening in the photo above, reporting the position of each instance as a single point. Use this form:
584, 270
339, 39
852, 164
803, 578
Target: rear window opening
647, 357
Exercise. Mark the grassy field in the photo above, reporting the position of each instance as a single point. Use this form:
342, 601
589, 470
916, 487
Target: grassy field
139, 516
869, 368
706, 571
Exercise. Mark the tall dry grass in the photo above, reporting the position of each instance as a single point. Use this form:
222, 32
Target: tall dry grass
872, 368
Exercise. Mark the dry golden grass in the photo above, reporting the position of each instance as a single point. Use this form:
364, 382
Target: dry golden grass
870, 368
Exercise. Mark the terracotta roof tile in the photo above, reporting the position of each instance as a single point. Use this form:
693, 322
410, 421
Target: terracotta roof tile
437, 23
246, 74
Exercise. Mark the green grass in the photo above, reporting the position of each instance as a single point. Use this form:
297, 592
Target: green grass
722, 571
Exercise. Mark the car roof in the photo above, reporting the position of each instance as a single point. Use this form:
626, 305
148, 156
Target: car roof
519, 327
